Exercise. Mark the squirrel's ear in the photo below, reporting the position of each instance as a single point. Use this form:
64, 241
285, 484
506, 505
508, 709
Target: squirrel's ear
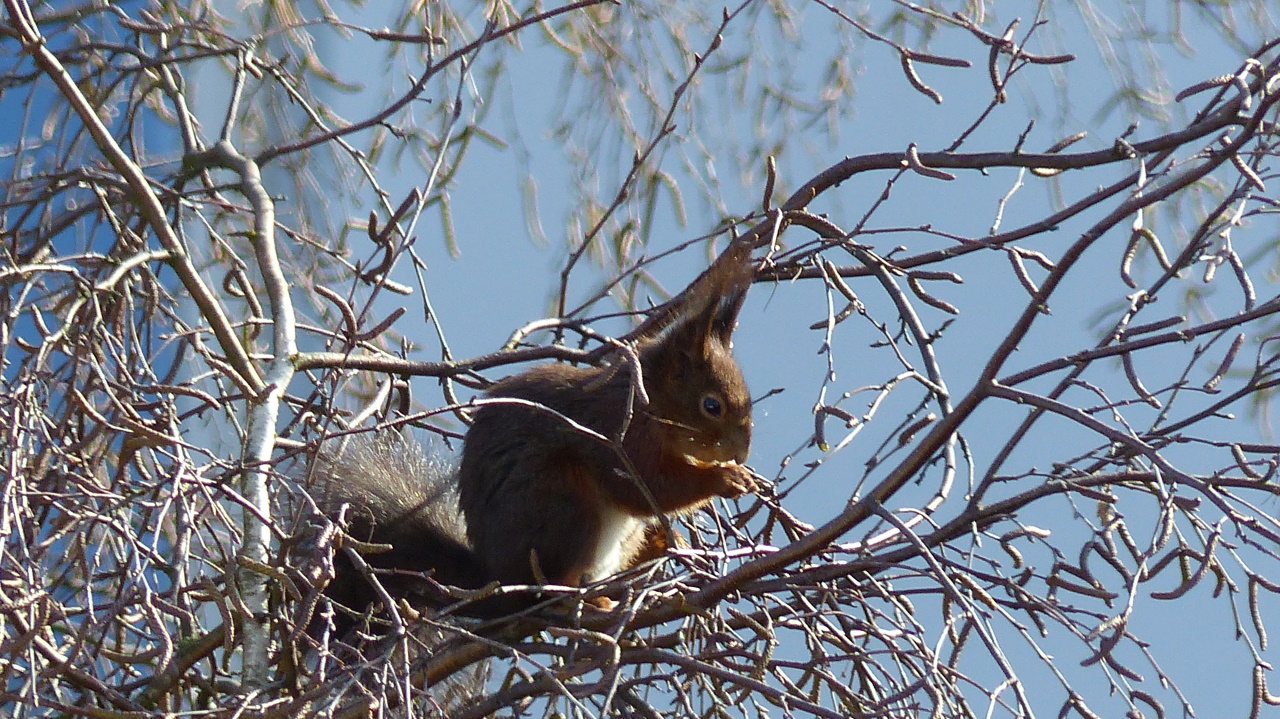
724, 288
708, 305
724, 315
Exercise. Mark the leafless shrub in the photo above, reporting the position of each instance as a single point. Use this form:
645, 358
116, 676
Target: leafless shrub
174, 342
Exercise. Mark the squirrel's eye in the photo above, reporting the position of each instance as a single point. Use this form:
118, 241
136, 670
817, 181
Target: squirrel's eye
711, 406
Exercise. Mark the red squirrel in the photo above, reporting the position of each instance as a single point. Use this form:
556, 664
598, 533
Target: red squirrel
544, 502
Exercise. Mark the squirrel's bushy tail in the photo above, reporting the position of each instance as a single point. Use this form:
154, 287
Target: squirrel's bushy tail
398, 494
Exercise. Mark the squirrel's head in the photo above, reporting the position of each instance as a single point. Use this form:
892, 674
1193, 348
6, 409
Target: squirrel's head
695, 387
698, 395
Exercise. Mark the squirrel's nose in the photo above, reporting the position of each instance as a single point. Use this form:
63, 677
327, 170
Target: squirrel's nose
737, 443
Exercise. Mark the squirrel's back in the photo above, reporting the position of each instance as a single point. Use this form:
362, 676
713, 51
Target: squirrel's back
534, 487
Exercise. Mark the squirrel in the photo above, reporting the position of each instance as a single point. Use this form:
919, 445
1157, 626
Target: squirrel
537, 500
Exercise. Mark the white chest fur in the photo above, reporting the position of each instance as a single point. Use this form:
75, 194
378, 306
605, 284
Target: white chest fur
616, 530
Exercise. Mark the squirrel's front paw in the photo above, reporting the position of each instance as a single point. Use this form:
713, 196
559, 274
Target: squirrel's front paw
735, 479
738, 480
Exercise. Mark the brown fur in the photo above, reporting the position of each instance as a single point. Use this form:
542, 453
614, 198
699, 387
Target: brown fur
545, 502
531, 483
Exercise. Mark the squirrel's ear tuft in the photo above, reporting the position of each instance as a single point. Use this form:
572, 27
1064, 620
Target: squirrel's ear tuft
724, 315
723, 288
710, 304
